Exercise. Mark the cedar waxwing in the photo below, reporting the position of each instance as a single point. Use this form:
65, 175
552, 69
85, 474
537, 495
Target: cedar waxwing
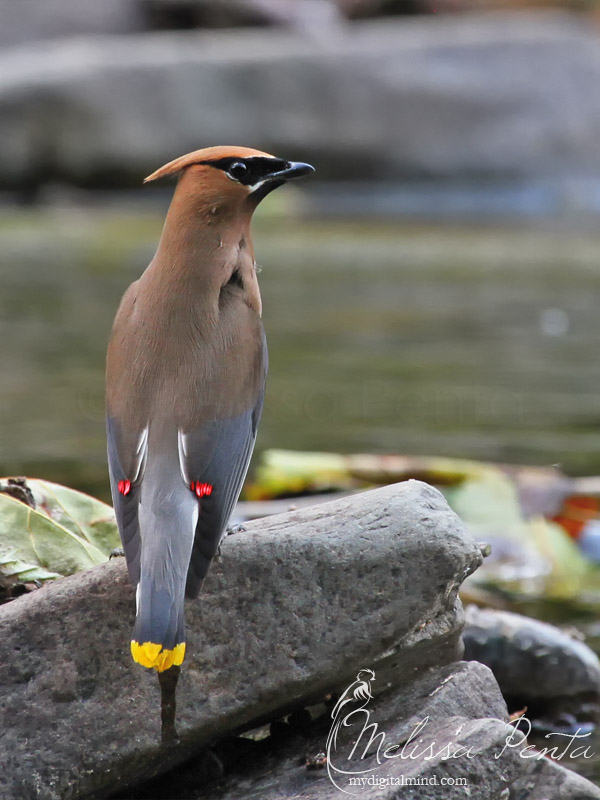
186, 369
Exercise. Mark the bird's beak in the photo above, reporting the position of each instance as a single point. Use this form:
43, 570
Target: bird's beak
294, 169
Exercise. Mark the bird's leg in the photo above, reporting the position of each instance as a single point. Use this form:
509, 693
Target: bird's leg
168, 688
228, 532
116, 553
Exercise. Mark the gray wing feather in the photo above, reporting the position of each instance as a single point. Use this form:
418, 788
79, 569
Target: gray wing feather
126, 506
218, 454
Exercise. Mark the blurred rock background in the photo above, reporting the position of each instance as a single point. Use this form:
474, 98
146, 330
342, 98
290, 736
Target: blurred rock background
95, 94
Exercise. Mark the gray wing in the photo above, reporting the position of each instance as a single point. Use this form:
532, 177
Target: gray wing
125, 485
217, 456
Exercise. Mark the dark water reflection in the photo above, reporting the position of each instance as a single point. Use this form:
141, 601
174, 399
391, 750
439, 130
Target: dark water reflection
383, 338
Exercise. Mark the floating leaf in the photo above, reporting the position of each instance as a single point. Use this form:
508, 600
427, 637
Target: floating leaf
285, 473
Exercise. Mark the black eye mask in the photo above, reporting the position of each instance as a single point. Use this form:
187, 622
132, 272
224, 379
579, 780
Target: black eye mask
249, 171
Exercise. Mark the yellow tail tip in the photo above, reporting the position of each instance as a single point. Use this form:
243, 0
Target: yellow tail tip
152, 655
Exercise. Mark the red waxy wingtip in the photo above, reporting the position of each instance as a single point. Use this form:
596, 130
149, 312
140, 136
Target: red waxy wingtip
201, 489
124, 487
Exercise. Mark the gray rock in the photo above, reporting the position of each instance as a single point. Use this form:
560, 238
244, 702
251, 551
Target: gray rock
295, 607
531, 660
36, 20
508, 95
458, 705
436, 713
314, 16
547, 779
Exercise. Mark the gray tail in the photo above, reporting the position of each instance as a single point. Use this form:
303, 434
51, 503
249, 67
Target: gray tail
167, 518
158, 638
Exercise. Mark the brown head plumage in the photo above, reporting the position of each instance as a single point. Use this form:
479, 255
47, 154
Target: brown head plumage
254, 171
201, 157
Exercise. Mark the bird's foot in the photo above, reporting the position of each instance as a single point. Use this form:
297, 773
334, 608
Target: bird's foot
116, 553
228, 532
235, 529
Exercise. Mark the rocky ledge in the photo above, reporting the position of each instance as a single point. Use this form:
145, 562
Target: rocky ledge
351, 601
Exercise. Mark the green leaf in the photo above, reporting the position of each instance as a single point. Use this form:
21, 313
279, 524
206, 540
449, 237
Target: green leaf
68, 531
77, 512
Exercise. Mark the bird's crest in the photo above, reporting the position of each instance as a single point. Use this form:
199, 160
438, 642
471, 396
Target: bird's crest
202, 156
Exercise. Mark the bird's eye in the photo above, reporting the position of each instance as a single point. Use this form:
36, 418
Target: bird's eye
238, 170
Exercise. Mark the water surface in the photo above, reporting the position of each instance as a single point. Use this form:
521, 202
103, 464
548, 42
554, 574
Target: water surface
383, 338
